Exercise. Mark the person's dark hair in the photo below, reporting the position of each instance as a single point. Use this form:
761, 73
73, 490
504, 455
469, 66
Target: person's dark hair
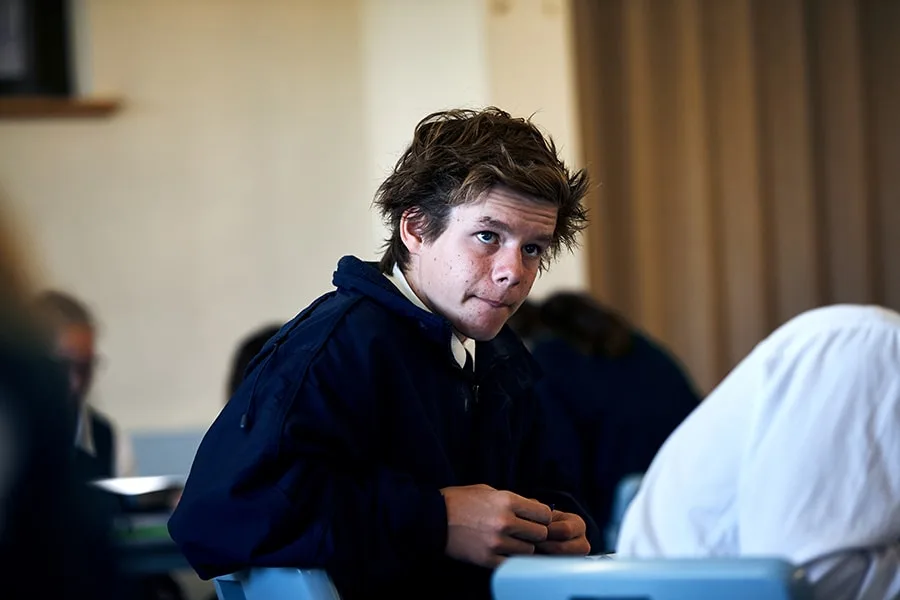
456, 156
56, 309
526, 321
579, 319
246, 350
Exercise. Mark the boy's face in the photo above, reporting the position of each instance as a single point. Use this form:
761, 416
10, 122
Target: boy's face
481, 268
75, 347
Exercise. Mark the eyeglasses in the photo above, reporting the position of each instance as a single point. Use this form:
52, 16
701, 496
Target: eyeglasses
80, 367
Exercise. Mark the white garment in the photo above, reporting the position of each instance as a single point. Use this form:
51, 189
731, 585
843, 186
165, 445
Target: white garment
459, 346
796, 454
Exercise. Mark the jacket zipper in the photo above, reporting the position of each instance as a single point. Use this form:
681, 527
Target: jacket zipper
474, 397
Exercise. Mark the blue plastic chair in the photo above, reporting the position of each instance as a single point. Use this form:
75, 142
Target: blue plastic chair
625, 492
276, 584
563, 578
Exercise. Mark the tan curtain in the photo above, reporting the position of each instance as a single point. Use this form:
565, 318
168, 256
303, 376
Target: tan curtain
747, 161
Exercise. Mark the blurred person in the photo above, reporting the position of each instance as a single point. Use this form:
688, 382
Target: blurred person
526, 323
615, 395
103, 452
794, 455
389, 433
54, 538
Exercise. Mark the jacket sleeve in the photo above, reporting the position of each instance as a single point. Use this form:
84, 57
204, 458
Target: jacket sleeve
548, 468
286, 476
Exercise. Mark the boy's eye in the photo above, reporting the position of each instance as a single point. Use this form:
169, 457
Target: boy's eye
486, 236
533, 250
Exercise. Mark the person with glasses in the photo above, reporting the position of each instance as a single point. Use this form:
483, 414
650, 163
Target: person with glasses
103, 452
53, 538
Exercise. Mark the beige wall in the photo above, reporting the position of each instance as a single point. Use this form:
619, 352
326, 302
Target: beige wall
244, 162
419, 57
218, 199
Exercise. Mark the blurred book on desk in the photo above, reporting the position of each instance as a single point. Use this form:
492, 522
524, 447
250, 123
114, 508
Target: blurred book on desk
143, 494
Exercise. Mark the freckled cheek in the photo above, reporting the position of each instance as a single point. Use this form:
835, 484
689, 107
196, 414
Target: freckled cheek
530, 277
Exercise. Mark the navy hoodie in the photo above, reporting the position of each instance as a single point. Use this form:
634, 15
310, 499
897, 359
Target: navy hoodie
611, 415
333, 450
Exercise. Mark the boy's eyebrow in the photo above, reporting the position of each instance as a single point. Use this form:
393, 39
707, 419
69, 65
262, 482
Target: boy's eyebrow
495, 224
504, 227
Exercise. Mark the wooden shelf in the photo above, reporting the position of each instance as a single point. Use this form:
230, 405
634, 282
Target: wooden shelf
40, 107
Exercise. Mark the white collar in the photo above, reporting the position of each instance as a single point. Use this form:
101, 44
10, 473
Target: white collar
84, 434
459, 346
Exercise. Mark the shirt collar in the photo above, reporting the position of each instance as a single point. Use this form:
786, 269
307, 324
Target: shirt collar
458, 346
84, 434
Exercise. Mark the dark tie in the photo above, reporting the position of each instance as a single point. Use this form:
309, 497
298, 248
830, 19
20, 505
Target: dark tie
469, 372
469, 367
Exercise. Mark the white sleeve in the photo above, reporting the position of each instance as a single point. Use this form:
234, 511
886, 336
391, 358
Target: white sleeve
820, 476
125, 463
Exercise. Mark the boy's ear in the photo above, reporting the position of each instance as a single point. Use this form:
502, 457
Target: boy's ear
410, 231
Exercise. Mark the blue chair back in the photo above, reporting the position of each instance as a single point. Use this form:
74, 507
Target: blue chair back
165, 452
563, 578
624, 494
276, 584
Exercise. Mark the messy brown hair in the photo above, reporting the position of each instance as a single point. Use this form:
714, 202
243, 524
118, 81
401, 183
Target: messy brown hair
458, 155
588, 325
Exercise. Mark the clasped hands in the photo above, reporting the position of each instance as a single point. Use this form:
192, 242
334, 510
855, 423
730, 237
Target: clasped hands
485, 526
